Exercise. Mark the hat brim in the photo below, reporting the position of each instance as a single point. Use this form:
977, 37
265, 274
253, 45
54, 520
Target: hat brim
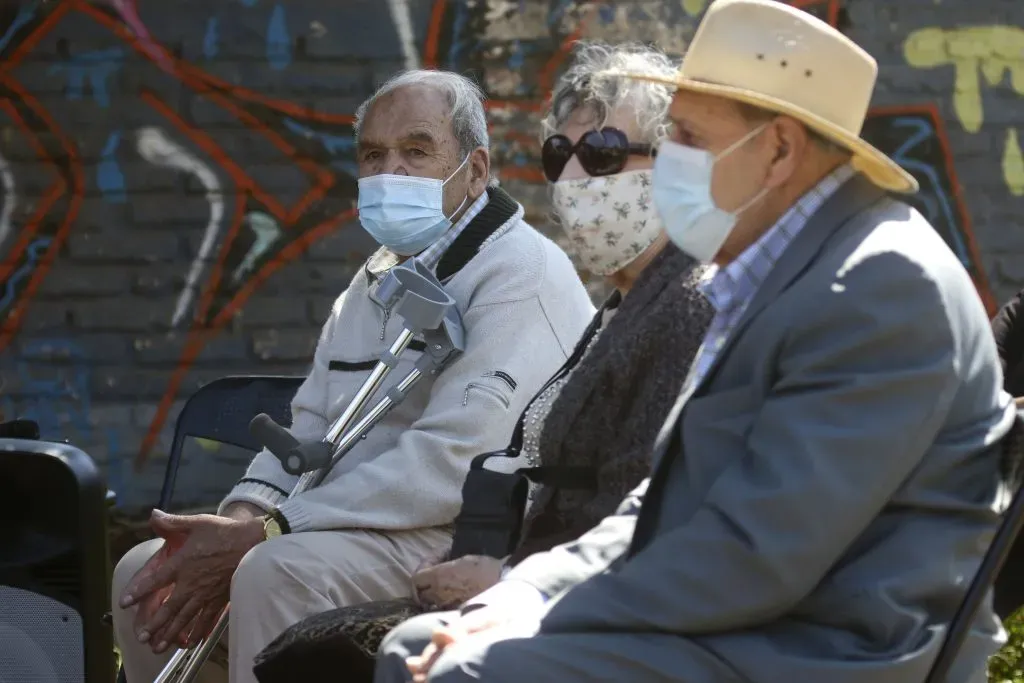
874, 164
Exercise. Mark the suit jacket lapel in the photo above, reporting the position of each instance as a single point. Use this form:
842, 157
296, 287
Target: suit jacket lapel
853, 197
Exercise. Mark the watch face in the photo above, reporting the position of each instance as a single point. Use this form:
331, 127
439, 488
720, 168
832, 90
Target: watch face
271, 529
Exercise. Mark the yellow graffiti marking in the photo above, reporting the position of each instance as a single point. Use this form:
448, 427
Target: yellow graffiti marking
209, 445
1013, 164
694, 7
988, 51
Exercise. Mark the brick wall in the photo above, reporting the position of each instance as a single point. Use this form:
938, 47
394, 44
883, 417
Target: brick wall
177, 181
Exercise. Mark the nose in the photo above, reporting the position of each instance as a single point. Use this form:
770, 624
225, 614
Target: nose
394, 164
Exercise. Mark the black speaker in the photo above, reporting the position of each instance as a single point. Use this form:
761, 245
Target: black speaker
54, 566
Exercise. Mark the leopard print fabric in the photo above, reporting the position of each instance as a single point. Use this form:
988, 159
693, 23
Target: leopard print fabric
363, 626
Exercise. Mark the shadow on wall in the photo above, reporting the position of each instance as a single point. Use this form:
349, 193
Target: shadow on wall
178, 181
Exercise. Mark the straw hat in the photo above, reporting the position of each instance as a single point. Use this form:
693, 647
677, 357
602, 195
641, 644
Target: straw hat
782, 59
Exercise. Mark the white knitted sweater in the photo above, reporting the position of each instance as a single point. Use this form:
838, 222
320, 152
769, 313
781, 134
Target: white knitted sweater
523, 308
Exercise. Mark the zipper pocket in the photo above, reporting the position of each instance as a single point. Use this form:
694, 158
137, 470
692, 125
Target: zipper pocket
487, 390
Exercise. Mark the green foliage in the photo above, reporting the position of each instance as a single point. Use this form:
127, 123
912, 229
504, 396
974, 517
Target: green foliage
1007, 666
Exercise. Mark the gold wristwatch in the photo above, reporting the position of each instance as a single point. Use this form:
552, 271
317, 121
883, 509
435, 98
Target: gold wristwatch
271, 526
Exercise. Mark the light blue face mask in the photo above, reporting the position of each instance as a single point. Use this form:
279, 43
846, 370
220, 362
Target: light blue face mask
405, 213
681, 190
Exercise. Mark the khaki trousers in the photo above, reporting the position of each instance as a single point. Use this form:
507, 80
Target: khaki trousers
279, 583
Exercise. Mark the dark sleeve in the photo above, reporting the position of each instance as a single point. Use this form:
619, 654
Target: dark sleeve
1009, 335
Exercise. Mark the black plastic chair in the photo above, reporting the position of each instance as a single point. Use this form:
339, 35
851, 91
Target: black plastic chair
995, 557
221, 411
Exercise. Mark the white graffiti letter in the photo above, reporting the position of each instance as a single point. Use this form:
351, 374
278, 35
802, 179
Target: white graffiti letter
158, 149
10, 200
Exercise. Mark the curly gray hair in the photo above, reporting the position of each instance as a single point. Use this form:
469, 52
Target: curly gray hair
588, 83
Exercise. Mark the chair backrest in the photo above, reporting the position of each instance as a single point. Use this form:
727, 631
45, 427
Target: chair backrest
992, 563
221, 411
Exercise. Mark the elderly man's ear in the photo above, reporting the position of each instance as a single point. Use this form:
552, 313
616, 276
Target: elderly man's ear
479, 171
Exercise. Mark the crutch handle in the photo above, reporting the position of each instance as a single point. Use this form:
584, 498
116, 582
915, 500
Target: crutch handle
296, 458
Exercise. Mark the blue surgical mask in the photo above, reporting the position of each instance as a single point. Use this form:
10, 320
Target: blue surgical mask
681, 190
405, 213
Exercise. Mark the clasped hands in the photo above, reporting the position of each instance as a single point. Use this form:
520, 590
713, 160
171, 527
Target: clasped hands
184, 587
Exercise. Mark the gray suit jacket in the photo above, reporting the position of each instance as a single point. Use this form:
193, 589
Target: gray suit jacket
820, 502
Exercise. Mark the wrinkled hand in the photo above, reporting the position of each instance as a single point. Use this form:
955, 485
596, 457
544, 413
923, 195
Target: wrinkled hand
185, 586
477, 621
450, 584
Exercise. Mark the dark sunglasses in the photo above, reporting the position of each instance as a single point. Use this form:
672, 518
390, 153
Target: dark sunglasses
601, 152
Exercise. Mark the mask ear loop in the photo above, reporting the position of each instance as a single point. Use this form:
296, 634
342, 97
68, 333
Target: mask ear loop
464, 199
732, 148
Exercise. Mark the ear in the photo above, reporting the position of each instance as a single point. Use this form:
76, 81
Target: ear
791, 141
479, 171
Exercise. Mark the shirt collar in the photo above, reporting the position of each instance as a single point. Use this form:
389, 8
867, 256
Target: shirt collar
384, 259
731, 287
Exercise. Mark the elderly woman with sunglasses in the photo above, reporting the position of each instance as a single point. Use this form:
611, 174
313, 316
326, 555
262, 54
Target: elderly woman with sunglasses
601, 412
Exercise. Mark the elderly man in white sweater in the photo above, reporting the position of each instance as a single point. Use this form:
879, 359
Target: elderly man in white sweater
388, 507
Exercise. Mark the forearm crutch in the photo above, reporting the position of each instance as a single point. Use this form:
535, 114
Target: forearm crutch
413, 293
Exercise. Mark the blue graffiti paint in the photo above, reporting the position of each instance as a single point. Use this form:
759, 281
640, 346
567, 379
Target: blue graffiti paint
606, 13
109, 177
24, 16
937, 206
557, 11
210, 46
517, 57
279, 45
96, 67
461, 40
59, 401
334, 144
33, 254
249, 3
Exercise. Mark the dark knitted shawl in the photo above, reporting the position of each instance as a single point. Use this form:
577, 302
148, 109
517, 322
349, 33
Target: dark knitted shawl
610, 411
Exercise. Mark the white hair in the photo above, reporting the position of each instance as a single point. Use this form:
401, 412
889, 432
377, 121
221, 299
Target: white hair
466, 99
588, 83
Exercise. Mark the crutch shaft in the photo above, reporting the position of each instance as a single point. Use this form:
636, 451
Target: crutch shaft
372, 383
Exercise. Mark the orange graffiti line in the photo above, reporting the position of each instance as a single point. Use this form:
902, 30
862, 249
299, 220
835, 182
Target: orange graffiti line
30, 41
323, 178
831, 11
527, 173
522, 138
206, 143
433, 34
199, 80
282, 106
547, 74
31, 227
194, 78
517, 105
289, 253
959, 196
198, 335
77, 192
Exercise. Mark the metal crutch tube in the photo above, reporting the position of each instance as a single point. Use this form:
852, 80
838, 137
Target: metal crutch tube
426, 309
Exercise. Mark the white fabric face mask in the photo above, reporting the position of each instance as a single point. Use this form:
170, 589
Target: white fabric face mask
405, 213
610, 220
682, 195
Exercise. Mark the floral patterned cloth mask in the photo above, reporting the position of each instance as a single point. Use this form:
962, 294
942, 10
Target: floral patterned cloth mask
610, 220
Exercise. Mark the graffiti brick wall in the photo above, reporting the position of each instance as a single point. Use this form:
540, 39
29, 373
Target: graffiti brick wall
177, 178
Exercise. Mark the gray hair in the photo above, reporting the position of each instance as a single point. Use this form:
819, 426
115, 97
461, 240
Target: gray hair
466, 99
588, 83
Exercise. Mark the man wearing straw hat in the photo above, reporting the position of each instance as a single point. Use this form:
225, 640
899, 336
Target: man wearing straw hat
828, 481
